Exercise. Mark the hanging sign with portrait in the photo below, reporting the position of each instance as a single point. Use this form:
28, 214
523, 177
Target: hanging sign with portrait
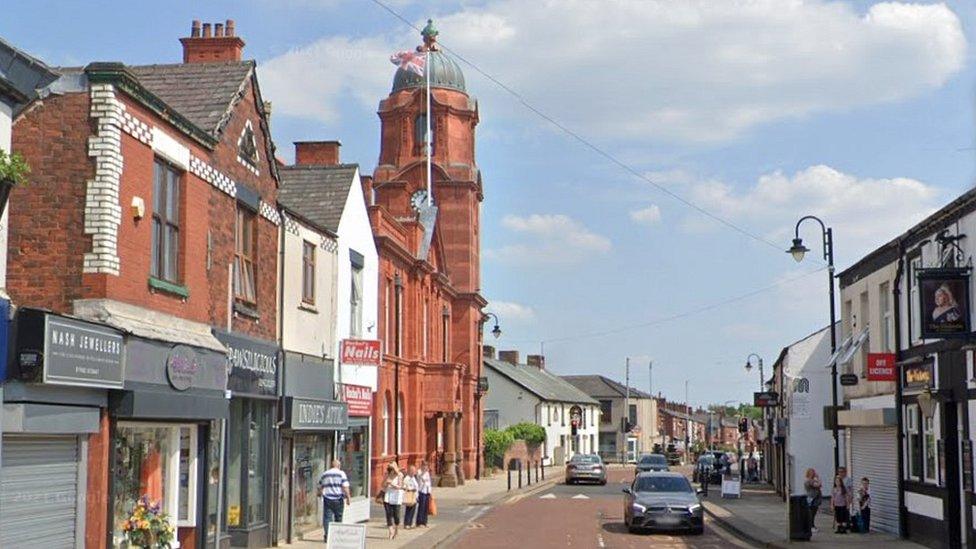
944, 297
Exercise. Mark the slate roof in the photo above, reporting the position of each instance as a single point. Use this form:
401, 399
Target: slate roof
601, 386
22, 75
545, 385
317, 193
202, 92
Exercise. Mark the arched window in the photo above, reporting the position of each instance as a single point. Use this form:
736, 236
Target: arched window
400, 424
386, 424
420, 133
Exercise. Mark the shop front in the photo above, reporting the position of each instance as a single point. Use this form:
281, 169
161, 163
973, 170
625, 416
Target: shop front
56, 389
166, 432
354, 452
252, 366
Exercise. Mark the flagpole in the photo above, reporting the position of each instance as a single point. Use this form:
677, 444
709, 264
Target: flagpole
430, 146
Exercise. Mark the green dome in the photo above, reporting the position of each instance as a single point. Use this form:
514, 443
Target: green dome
444, 73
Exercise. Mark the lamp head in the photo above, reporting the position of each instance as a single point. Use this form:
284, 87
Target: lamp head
798, 250
748, 366
496, 331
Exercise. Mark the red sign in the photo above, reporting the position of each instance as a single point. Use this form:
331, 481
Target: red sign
359, 399
363, 352
881, 367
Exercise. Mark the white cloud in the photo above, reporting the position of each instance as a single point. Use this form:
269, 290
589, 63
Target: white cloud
650, 215
511, 311
549, 238
668, 69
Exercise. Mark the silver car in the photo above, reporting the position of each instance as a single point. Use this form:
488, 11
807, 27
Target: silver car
662, 501
588, 467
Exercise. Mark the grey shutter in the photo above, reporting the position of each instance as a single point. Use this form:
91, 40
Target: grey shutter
874, 454
39, 492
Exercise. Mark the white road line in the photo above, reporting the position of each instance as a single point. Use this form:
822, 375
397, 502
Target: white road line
580, 496
548, 496
599, 540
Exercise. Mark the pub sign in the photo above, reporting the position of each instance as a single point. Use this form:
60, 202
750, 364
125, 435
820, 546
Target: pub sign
918, 375
944, 297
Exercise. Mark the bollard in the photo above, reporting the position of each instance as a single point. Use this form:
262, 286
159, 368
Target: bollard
543, 472
509, 469
520, 473
537, 470
528, 475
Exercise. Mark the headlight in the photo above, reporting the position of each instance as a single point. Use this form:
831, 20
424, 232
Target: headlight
638, 508
694, 508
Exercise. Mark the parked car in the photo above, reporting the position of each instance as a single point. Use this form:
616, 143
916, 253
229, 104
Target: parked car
707, 461
662, 501
588, 467
652, 462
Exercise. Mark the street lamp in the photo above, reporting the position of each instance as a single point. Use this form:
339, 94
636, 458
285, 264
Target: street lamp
496, 331
749, 368
798, 250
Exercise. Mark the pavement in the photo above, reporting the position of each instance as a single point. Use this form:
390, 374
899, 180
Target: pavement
457, 508
760, 518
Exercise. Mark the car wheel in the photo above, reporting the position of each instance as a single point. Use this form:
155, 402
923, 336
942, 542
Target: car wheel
603, 482
633, 529
698, 531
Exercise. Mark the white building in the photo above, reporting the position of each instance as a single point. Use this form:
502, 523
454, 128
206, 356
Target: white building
332, 198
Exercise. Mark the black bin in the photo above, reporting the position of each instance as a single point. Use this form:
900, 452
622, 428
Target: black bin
800, 519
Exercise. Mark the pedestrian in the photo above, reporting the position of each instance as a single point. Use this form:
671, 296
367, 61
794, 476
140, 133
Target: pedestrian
334, 486
725, 464
839, 498
812, 487
410, 487
704, 471
864, 505
392, 498
753, 469
423, 494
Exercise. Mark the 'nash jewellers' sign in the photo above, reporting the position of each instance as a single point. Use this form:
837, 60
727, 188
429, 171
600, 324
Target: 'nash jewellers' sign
317, 415
252, 365
65, 351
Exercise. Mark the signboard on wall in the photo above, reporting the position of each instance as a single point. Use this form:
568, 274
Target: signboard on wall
316, 415
252, 364
72, 352
765, 399
944, 299
359, 399
363, 352
881, 367
918, 375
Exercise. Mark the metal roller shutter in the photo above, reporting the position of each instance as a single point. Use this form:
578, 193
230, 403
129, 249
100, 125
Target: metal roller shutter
874, 454
38, 492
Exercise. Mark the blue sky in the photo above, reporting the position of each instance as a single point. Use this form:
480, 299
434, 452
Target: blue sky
860, 112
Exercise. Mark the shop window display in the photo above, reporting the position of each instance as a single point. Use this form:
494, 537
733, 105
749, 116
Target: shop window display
310, 459
248, 462
352, 453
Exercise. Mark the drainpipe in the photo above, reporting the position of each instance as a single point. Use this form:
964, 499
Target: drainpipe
896, 297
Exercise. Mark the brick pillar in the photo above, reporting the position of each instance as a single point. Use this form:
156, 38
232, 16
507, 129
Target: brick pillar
96, 501
449, 477
459, 438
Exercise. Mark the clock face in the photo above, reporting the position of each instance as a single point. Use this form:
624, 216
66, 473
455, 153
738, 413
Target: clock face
418, 199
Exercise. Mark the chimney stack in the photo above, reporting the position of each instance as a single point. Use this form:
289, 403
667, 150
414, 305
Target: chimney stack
317, 153
511, 357
487, 351
539, 361
367, 183
204, 47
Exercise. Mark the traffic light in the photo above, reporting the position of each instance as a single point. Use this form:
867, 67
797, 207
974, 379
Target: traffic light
743, 425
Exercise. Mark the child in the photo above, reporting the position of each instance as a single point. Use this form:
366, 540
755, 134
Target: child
838, 500
864, 505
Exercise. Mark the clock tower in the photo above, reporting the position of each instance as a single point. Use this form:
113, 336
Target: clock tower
430, 302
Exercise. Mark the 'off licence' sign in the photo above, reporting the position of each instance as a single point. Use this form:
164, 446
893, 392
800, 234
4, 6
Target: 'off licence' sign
881, 367
362, 352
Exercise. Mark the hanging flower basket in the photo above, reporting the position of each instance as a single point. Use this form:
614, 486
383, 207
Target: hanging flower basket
148, 527
13, 172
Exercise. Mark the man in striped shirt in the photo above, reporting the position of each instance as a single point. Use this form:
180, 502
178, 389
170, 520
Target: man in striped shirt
335, 494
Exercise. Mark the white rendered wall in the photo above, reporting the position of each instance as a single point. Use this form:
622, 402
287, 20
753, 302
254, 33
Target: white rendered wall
5, 122
309, 328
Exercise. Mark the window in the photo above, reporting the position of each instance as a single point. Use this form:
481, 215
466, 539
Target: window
398, 318
562, 414
931, 452
386, 425
914, 442
865, 322
592, 418
606, 408
386, 318
244, 254
165, 222
491, 419
356, 302
248, 145
308, 273
445, 333
632, 414
248, 461
424, 328
887, 323
355, 459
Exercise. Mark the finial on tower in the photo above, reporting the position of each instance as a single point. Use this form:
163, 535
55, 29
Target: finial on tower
430, 33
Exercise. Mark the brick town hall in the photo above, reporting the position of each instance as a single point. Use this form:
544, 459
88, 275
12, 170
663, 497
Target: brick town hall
428, 404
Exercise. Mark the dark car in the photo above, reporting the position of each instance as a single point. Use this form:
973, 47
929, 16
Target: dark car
652, 462
707, 462
662, 501
586, 467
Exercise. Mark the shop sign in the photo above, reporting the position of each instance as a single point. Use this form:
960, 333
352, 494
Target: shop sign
881, 367
362, 352
319, 415
967, 465
182, 367
918, 375
252, 365
346, 536
944, 296
80, 353
359, 399
765, 399
848, 379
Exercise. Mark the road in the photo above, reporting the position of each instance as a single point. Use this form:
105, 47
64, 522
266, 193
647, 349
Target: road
579, 516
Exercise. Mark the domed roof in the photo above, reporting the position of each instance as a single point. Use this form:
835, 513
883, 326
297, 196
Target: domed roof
444, 71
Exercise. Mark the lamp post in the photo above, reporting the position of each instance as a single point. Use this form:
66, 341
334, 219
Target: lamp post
798, 250
749, 368
497, 332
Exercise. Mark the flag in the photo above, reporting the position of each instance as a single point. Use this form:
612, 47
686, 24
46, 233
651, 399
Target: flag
411, 61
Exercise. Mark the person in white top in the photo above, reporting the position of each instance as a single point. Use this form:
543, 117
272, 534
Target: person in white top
410, 487
423, 494
334, 485
392, 498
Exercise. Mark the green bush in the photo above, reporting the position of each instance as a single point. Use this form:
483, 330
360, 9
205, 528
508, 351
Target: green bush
496, 443
13, 168
529, 432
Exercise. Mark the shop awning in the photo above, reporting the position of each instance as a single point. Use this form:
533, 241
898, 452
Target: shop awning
163, 404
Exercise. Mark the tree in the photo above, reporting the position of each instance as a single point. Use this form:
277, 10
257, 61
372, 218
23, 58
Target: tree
529, 432
496, 444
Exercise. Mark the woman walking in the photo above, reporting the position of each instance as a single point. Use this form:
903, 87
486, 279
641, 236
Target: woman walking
410, 497
423, 494
812, 488
392, 498
838, 500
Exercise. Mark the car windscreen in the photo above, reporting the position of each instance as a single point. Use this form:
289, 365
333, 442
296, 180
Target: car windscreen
585, 459
662, 484
653, 460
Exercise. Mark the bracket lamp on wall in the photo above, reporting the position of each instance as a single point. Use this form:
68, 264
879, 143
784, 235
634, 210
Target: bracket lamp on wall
927, 402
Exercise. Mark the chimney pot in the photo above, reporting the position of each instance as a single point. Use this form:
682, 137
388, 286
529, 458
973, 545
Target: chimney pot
220, 46
218, 30
539, 361
195, 29
317, 153
511, 357
206, 30
487, 351
230, 28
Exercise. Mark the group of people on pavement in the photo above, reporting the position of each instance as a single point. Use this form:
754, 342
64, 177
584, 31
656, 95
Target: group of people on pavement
851, 508
412, 491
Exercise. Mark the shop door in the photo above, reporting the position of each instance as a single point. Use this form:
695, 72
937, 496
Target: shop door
874, 454
38, 491
284, 489
631, 450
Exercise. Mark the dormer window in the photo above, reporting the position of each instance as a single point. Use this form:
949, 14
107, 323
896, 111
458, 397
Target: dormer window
247, 146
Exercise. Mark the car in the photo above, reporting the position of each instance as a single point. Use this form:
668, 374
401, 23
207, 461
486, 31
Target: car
708, 462
652, 462
586, 467
662, 501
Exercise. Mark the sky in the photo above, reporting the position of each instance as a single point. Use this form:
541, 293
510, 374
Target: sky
644, 162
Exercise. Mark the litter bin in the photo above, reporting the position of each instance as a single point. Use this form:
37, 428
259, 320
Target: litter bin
800, 519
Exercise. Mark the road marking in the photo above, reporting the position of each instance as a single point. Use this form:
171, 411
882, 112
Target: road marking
548, 496
580, 496
466, 510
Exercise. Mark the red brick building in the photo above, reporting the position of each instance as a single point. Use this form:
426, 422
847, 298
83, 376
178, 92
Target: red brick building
427, 405
151, 210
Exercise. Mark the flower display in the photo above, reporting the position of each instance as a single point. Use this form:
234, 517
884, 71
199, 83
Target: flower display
148, 526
